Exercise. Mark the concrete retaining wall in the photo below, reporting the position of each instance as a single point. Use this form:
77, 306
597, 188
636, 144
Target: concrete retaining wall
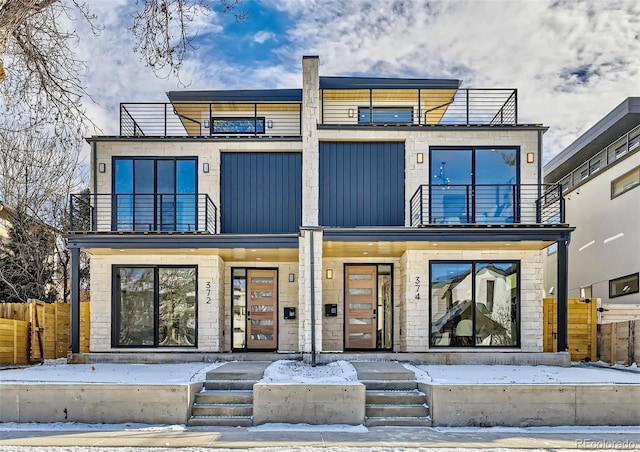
308, 403
534, 405
97, 403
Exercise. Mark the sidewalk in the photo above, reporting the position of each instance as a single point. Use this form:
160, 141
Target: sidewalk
380, 438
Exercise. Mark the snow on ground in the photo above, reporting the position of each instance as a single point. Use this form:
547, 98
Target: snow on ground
82, 427
58, 371
276, 427
500, 374
286, 371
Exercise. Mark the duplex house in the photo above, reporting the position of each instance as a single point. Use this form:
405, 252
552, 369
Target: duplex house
354, 214
600, 173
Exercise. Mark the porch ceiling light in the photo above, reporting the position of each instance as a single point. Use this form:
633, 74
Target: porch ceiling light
530, 157
269, 124
329, 273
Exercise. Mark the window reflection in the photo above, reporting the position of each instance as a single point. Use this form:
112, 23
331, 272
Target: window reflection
474, 304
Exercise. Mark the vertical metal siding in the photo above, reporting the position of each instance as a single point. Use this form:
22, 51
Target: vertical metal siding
261, 192
361, 184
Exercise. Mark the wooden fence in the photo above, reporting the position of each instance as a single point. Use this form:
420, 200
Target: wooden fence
620, 342
35, 331
582, 334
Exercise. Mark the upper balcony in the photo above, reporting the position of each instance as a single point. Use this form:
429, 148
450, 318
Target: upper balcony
357, 102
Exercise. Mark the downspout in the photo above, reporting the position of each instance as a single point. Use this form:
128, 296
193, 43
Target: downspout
313, 304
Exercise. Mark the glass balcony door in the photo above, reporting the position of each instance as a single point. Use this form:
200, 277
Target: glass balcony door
155, 194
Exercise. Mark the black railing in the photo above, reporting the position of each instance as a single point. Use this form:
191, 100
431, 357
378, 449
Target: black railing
171, 212
487, 204
228, 119
379, 107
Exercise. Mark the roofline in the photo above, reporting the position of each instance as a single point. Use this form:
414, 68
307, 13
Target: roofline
387, 83
244, 95
631, 105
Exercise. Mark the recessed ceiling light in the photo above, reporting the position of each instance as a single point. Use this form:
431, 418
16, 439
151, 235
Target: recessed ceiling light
370, 244
254, 250
507, 244
258, 258
122, 251
192, 250
434, 244
365, 252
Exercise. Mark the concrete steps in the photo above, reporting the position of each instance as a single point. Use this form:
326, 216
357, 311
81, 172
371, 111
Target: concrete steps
226, 398
392, 397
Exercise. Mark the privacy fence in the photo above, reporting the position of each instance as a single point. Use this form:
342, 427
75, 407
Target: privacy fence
34, 331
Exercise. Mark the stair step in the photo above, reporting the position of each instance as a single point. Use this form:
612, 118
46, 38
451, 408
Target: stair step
230, 421
396, 410
229, 384
222, 409
381, 385
376, 397
398, 421
224, 396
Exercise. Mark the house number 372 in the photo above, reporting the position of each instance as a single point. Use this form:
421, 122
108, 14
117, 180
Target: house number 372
208, 292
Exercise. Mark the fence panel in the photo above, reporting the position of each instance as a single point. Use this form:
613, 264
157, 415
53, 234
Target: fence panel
619, 342
582, 327
14, 335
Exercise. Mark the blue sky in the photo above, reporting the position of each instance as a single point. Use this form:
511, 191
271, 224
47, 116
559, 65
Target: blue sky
571, 61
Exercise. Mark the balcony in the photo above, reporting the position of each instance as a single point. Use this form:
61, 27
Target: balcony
480, 204
172, 212
211, 119
418, 107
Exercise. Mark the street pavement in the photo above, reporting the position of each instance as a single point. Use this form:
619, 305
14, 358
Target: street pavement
375, 439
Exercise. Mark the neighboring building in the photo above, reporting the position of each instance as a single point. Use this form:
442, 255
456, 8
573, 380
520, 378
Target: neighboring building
5, 221
600, 175
373, 214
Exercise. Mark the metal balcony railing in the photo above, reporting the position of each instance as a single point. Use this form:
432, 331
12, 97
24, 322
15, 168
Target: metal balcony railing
487, 204
626, 144
211, 119
173, 212
380, 107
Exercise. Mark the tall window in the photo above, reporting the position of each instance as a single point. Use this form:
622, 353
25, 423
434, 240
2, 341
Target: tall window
155, 194
474, 304
474, 185
154, 306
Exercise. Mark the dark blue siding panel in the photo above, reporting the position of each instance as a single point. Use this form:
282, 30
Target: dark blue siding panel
361, 184
261, 192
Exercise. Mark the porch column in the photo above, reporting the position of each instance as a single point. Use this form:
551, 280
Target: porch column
75, 300
310, 292
563, 295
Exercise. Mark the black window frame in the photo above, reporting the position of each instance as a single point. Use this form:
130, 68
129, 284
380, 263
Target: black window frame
518, 341
627, 189
634, 277
156, 307
372, 114
255, 120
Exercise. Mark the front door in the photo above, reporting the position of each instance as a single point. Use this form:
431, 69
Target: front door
360, 306
262, 309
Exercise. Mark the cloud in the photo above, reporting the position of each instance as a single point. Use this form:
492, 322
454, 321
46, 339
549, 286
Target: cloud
263, 36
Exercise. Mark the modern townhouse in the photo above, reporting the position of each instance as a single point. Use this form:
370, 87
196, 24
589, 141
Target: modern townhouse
599, 173
354, 214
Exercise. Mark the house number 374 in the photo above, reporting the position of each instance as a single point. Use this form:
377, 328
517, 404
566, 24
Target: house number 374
417, 284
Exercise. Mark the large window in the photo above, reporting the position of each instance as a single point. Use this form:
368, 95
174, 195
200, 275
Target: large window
474, 304
237, 125
154, 306
385, 115
155, 194
474, 185
625, 285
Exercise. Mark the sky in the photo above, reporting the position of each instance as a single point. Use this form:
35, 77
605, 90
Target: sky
571, 61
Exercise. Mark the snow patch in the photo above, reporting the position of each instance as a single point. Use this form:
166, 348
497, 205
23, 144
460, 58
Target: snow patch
79, 426
421, 375
275, 427
287, 371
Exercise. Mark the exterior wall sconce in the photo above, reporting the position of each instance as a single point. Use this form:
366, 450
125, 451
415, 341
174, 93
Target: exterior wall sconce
329, 273
351, 112
102, 167
269, 124
420, 157
292, 277
530, 157
205, 123
205, 167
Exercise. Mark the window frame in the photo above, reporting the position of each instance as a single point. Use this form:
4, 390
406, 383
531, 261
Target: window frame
473, 263
615, 194
372, 114
632, 277
255, 120
115, 321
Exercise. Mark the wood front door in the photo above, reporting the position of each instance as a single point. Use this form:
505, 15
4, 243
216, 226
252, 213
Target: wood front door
360, 306
262, 309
